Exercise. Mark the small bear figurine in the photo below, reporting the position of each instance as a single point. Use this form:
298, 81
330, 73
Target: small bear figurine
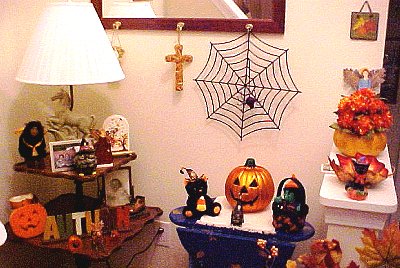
32, 145
198, 202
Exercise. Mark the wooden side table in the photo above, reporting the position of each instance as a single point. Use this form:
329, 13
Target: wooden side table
68, 203
346, 218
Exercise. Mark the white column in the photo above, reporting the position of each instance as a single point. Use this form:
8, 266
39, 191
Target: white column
346, 218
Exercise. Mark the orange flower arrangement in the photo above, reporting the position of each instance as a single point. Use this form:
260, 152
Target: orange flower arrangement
363, 113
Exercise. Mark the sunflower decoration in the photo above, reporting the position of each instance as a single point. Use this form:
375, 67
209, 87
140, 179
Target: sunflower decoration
363, 113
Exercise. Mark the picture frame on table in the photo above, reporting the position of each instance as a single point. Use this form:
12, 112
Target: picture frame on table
118, 187
62, 154
117, 129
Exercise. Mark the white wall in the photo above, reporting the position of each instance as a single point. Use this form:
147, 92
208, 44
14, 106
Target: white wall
169, 129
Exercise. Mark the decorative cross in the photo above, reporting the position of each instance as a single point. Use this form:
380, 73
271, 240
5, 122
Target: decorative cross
179, 59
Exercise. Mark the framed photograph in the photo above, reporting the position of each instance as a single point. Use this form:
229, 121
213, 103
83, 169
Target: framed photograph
118, 187
62, 154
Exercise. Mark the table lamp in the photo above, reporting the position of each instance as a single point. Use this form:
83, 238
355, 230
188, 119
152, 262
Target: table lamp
69, 47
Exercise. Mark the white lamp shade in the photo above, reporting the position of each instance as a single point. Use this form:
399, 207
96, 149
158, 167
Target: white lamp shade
69, 47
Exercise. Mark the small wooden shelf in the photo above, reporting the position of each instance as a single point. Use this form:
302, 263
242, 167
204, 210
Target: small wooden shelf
79, 202
119, 161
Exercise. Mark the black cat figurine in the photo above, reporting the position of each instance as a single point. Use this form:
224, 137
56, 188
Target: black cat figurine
198, 202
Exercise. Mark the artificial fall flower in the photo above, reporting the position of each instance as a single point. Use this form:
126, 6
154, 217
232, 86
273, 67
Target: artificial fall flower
363, 113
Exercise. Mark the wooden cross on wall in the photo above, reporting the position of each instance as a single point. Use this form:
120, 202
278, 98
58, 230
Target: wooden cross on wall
178, 59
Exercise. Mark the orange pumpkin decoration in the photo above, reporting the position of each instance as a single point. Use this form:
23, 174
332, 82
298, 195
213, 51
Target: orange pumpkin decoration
74, 243
252, 185
28, 221
350, 144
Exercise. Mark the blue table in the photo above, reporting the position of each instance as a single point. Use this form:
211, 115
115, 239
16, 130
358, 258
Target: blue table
217, 247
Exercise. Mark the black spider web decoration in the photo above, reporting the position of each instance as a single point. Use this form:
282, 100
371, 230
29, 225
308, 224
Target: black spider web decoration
246, 84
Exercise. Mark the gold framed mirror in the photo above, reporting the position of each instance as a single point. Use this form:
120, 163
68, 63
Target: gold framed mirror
274, 23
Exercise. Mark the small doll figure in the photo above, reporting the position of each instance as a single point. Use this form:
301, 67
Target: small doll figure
32, 145
198, 202
364, 78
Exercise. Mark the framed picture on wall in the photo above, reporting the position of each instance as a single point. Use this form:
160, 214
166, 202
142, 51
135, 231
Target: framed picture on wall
364, 25
118, 187
62, 154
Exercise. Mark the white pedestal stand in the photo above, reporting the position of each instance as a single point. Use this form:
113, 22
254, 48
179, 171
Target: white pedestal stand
346, 218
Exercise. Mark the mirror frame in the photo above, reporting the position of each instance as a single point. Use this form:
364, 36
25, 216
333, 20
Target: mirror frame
274, 25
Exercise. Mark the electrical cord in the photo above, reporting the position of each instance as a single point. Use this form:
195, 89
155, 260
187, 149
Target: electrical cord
158, 233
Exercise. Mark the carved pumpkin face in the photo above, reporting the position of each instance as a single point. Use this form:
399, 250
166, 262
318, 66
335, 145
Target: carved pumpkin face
250, 184
28, 221
75, 243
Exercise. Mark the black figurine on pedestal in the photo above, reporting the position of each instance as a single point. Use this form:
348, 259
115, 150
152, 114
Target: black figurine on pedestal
237, 217
32, 146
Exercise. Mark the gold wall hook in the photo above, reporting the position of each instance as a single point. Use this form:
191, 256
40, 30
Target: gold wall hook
117, 25
115, 42
179, 28
249, 27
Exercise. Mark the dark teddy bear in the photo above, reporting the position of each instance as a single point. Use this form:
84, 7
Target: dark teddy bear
32, 145
198, 202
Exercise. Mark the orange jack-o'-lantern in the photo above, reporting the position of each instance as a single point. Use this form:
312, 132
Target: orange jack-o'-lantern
74, 243
28, 221
250, 184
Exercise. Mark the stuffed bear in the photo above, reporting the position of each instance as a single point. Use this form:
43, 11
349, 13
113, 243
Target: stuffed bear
198, 202
32, 145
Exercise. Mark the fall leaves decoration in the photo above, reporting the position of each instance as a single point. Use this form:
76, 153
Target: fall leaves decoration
382, 251
359, 173
324, 253
346, 172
